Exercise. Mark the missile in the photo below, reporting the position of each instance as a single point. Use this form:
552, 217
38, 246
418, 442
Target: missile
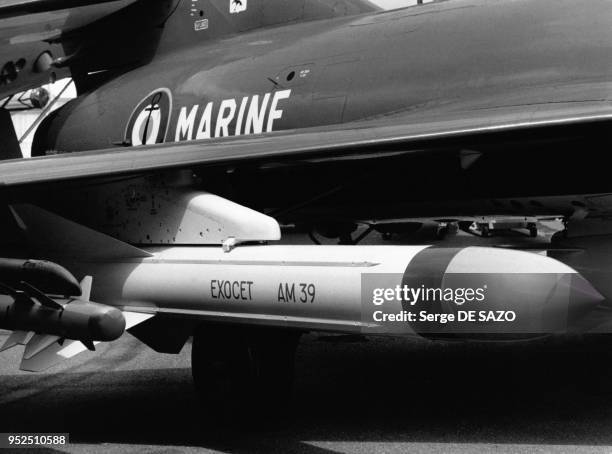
54, 328
28, 309
79, 320
357, 289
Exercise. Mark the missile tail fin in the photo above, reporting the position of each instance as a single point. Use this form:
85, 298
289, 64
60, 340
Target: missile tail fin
86, 284
55, 236
44, 351
16, 338
43, 299
135, 318
51, 355
38, 343
90, 345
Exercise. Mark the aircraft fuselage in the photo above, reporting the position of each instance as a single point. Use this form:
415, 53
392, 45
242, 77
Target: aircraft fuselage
418, 61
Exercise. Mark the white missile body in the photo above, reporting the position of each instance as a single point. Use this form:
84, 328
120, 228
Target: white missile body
332, 287
244, 285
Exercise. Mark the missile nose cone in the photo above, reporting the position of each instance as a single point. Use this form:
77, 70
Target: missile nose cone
504, 261
107, 325
550, 296
519, 292
583, 297
532, 273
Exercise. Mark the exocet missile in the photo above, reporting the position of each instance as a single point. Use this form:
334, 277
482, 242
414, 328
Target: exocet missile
366, 289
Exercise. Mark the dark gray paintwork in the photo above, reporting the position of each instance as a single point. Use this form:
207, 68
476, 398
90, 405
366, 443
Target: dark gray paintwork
325, 143
380, 84
465, 56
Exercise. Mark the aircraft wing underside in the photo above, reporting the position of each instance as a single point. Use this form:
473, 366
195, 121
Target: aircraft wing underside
400, 133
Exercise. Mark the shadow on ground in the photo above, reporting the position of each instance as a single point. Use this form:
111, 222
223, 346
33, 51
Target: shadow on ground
346, 389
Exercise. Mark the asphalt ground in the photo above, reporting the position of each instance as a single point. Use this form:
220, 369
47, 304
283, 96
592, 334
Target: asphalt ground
351, 394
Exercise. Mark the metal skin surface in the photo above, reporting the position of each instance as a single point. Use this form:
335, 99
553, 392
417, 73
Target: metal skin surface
452, 56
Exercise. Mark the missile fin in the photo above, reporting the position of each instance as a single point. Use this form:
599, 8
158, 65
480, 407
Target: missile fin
19, 296
56, 236
16, 338
51, 355
73, 348
164, 334
86, 284
6, 290
134, 318
89, 345
40, 296
38, 343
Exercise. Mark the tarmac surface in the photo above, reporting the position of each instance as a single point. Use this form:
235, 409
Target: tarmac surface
351, 394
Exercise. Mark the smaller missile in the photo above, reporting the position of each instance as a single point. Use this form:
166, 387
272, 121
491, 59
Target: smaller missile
46, 276
30, 310
55, 329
